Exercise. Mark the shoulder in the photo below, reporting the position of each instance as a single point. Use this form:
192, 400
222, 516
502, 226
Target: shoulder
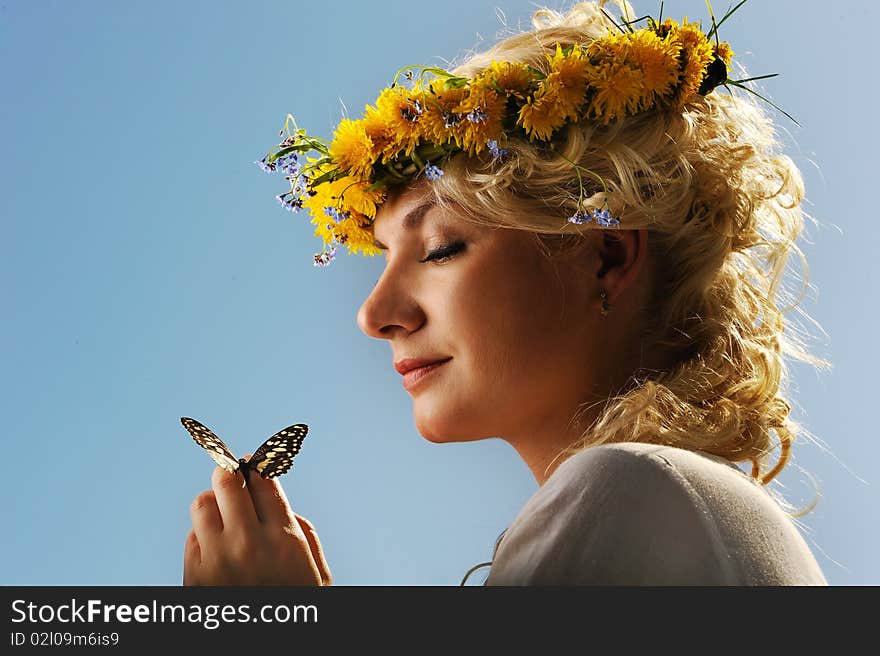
644, 514
635, 458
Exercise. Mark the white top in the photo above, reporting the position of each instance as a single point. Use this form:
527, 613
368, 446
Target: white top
643, 514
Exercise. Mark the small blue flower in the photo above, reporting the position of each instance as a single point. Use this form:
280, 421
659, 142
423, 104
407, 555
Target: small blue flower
335, 214
409, 115
412, 112
477, 115
580, 217
432, 172
289, 164
299, 185
451, 119
604, 218
268, 168
325, 258
292, 204
494, 149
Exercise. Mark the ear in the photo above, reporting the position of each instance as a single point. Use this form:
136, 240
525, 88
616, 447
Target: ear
622, 254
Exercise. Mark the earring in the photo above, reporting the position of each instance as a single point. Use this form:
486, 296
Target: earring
605, 306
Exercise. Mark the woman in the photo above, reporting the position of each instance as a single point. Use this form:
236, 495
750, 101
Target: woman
584, 242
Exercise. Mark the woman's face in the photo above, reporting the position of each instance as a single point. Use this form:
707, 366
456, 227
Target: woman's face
520, 337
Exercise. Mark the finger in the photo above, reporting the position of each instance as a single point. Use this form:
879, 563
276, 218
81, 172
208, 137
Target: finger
206, 520
192, 558
269, 500
316, 549
233, 500
192, 552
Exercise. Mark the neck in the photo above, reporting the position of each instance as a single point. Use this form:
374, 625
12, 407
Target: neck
542, 445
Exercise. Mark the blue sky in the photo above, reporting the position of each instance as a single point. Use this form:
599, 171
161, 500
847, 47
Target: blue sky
149, 273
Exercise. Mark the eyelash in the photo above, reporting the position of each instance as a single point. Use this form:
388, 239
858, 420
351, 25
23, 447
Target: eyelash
444, 252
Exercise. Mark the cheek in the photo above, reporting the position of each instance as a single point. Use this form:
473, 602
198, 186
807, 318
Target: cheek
509, 321
503, 322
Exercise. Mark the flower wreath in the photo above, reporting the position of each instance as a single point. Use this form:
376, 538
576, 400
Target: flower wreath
411, 131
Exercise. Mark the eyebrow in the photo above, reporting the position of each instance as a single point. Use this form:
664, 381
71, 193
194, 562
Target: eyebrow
412, 219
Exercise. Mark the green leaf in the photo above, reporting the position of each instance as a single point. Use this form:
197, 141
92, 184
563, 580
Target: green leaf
392, 176
726, 16
633, 22
608, 16
714, 26
404, 70
760, 77
538, 73
281, 153
453, 82
742, 86
329, 176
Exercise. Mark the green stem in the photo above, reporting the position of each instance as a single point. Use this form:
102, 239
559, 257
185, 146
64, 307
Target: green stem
608, 16
750, 79
726, 16
742, 86
714, 26
578, 168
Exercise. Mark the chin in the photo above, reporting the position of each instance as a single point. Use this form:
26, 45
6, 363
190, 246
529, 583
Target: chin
442, 430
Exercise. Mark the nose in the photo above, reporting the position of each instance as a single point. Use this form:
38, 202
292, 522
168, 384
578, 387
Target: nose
390, 308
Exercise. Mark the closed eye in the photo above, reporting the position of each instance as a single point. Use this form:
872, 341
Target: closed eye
445, 252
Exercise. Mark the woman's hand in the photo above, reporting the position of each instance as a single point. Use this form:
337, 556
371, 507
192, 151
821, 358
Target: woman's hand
250, 536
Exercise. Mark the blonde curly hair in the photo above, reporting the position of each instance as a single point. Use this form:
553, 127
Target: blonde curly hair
723, 209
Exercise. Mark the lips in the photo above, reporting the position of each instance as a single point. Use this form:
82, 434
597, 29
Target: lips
408, 364
414, 377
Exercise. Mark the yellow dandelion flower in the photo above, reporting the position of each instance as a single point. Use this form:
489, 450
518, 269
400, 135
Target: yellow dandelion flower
568, 81
666, 27
723, 50
349, 196
356, 195
608, 48
444, 113
378, 131
356, 233
658, 60
540, 116
484, 114
511, 78
618, 90
352, 149
323, 229
400, 112
322, 195
699, 54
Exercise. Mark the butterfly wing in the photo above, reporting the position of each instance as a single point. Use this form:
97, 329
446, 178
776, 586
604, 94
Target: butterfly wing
275, 456
206, 439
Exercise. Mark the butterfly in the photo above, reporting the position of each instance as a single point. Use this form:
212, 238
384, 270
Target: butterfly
273, 458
